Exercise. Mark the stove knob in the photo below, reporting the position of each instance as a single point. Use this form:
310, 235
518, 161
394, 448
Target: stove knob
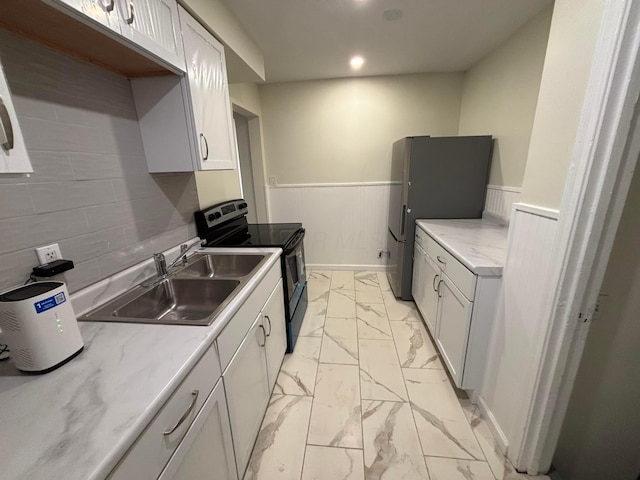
214, 216
242, 205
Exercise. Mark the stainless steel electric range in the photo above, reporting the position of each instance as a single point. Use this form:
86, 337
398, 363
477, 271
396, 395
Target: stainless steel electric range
225, 225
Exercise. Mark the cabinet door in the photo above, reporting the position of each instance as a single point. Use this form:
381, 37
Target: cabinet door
274, 321
209, 95
101, 11
429, 309
206, 451
247, 389
454, 319
418, 282
154, 25
13, 152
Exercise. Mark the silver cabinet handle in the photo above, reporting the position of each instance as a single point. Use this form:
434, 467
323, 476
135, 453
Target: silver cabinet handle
433, 284
184, 416
266, 317
6, 128
438, 289
264, 342
441, 260
206, 146
109, 8
132, 14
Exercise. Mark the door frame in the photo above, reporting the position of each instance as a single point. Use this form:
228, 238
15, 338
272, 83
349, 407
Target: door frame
603, 160
257, 159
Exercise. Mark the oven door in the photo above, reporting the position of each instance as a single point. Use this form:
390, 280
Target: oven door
295, 269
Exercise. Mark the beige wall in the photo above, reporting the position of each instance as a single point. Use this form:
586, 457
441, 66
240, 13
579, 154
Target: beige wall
217, 186
247, 96
499, 98
599, 434
567, 65
244, 59
342, 130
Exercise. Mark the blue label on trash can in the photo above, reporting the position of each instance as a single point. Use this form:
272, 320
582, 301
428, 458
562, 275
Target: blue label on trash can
49, 303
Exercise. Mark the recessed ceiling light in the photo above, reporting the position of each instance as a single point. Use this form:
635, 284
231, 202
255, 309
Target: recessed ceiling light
392, 14
356, 62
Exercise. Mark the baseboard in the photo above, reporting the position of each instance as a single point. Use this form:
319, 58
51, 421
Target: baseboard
327, 266
501, 439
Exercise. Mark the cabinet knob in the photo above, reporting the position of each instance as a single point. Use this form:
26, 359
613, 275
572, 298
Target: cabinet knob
266, 317
132, 14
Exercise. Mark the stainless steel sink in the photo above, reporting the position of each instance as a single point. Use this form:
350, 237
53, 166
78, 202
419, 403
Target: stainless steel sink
193, 295
220, 265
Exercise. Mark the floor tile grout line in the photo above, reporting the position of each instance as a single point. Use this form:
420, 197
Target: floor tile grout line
313, 397
364, 463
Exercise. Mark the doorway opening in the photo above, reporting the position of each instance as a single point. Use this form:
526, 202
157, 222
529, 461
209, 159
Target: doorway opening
250, 163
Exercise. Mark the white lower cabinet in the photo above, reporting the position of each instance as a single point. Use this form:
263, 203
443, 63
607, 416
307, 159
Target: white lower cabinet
426, 276
207, 428
274, 322
152, 450
452, 332
247, 387
251, 375
458, 307
206, 451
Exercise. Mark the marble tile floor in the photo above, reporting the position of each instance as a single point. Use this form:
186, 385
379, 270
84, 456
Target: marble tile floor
364, 396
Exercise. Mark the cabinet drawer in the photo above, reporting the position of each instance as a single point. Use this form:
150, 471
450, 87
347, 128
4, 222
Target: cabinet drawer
233, 334
464, 278
151, 452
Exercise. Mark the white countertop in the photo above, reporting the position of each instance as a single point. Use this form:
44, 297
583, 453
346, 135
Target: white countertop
78, 421
480, 244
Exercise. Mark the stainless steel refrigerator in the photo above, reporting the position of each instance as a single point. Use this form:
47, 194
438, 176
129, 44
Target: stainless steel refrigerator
433, 177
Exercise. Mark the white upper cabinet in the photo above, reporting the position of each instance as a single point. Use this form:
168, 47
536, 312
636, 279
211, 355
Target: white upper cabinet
209, 95
102, 11
154, 26
13, 152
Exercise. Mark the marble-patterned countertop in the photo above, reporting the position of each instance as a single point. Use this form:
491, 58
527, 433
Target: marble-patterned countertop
480, 244
78, 421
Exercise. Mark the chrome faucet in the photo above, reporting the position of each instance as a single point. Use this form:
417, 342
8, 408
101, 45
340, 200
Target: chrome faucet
162, 269
161, 264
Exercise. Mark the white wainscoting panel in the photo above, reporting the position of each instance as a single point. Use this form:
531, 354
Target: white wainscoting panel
500, 200
346, 223
509, 377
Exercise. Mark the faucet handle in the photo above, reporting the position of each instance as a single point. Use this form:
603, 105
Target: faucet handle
161, 263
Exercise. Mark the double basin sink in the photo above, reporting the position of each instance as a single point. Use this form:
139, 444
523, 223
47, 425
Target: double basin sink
192, 295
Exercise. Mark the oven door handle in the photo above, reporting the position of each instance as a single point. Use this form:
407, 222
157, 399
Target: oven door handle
291, 244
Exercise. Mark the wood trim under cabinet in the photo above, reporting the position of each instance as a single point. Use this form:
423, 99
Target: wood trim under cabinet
55, 29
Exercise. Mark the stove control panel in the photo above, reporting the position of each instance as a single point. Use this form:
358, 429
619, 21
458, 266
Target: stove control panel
222, 212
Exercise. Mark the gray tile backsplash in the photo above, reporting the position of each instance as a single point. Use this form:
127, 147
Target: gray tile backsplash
90, 190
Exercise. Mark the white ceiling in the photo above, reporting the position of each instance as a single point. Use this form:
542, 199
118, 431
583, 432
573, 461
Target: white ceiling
314, 39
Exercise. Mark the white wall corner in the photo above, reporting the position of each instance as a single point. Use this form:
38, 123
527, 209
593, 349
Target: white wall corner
500, 200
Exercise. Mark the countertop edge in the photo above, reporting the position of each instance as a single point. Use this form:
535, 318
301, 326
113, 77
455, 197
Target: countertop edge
495, 271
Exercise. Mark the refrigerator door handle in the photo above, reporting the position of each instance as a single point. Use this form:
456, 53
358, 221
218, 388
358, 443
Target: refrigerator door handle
404, 214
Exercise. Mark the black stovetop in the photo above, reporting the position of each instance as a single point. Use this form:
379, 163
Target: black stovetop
257, 235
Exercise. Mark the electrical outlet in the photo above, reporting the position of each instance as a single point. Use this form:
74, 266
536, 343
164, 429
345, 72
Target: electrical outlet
48, 253
273, 181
